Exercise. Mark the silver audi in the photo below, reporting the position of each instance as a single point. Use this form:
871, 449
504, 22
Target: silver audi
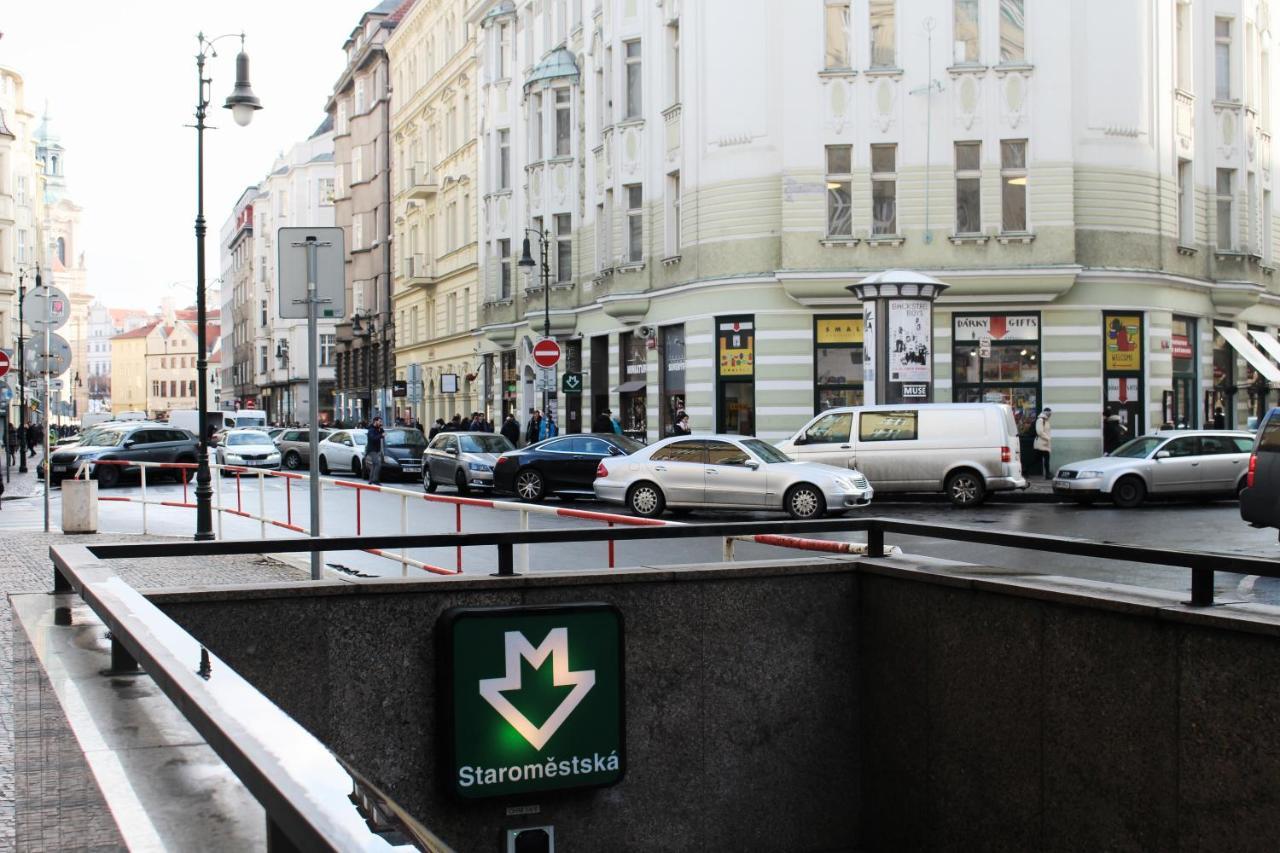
727, 472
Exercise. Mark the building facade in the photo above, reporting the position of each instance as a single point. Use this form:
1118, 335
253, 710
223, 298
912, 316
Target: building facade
432, 55
154, 363
361, 113
298, 192
104, 324
244, 306
712, 176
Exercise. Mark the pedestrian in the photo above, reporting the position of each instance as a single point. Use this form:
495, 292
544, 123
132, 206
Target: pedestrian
1219, 418
1044, 442
602, 423
548, 428
373, 450
615, 424
511, 430
436, 428
11, 445
418, 424
535, 427
1113, 433
681, 426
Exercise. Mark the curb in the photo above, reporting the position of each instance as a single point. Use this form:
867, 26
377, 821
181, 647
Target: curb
1014, 497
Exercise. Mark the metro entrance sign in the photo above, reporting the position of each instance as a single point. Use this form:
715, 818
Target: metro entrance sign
532, 698
546, 353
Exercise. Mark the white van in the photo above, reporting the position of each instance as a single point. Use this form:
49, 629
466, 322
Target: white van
962, 449
217, 419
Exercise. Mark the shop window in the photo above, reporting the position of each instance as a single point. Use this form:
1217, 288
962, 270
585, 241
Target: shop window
735, 375
995, 358
632, 399
671, 355
838, 362
1184, 372
1122, 369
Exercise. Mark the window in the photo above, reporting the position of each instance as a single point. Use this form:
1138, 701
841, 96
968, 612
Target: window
837, 35
673, 62
504, 159
888, 426
564, 247
838, 362
357, 231
1222, 59
635, 107
504, 267
357, 164
724, 453
1186, 204
326, 350
325, 191
1013, 185
360, 99
466, 219
263, 313
672, 217
535, 126
1182, 44
451, 313
341, 121
966, 32
1226, 228
635, 223
607, 239
884, 192
839, 191
830, 429
451, 129
262, 358
1267, 254
882, 34
968, 187
602, 115
502, 60
681, 451
1013, 44
563, 127
451, 227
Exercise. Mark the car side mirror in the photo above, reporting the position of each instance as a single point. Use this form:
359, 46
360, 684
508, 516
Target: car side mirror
1163, 454
130, 443
752, 464
802, 438
452, 451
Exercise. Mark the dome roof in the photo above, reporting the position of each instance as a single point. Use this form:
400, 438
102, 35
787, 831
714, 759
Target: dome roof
559, 64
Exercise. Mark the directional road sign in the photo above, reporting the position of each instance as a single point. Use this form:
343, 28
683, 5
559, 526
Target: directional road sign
55, 362
46, 308
4, 362
546, 353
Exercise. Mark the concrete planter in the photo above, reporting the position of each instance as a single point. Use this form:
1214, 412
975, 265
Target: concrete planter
79, 506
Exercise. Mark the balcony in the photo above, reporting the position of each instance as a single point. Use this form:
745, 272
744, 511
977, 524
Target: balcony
418, 271
422, 181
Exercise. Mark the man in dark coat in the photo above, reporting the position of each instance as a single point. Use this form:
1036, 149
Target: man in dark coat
511, 430
535, 425
602, 422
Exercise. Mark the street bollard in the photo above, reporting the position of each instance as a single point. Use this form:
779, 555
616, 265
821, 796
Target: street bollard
142, 472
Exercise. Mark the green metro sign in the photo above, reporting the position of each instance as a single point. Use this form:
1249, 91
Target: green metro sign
532, 698
571, 383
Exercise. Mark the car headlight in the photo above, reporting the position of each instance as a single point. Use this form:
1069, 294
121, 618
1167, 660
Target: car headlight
479, 466
275, 454
1088, 475
233, 458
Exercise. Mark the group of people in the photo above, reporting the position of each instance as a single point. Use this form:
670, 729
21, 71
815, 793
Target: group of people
475, 422
26, 441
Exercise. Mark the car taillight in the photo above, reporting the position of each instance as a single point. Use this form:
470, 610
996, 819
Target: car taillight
1253, 467
1006, 455
602, 471
502, 460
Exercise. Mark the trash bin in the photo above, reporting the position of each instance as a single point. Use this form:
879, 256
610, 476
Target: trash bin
79, 506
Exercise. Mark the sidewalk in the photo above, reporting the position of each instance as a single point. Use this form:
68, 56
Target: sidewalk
28, 485
25, 567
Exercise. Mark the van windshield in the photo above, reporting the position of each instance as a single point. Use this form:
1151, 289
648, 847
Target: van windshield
1138, 448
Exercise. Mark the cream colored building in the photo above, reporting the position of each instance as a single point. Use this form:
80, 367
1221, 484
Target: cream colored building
432, 55
153, 367
129, 370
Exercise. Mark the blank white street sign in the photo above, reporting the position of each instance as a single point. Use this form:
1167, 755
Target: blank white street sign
544, 379
330, 273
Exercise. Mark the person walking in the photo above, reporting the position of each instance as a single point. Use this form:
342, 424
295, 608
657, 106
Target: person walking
548, 429
602, 423
1219, 418
1113, 433
1044, 442
511, 430
436, 428
681, 426
534, 428
373, 450
11, 444
615, 424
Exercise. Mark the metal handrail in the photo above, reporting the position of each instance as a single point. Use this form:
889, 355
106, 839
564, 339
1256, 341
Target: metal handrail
1202, 564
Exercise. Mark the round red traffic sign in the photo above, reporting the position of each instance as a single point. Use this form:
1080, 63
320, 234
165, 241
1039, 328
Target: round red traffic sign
546, 353
4, 363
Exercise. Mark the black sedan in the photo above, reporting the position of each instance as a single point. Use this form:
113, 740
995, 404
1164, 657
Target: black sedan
563, 466
402, 449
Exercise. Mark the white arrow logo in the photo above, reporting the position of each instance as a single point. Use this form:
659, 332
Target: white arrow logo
556, 645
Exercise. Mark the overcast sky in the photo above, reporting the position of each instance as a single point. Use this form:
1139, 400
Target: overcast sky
120, 81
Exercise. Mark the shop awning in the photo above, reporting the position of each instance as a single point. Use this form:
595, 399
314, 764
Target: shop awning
1268, 343
630, 387
1241, 344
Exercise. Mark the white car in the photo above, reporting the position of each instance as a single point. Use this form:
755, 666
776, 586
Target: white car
248, 448
727, 472
343, 450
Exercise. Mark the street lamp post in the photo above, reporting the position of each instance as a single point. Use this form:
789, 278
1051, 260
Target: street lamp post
22, 374
358, 331
242, 103
527, 262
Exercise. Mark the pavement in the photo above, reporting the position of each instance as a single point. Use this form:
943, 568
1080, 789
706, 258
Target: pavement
25, 567
18, 486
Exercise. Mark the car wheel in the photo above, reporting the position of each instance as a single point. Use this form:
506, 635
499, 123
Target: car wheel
1240, 487
460, 480
804, 502
356, 468
646, 500
530, 485
324, 465
1129, 492
293, 460
107, 476
965, 488
428, 484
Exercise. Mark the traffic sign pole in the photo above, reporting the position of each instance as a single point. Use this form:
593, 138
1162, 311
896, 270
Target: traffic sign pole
44, 427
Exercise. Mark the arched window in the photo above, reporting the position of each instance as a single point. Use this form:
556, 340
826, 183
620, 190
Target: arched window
62, 251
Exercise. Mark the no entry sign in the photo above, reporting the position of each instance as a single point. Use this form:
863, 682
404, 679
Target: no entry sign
4, 362
546, 353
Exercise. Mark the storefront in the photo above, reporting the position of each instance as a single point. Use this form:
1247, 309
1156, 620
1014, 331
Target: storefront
510, 383
1223, 394
633, 385
671, 373
599, 375
735, 375
1256, 384
837, 356
1181, 410
1122, 365
995, 358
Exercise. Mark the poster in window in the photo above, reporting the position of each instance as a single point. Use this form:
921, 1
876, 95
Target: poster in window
869, 353
737, 348
909, 340
1123, 342
839, 330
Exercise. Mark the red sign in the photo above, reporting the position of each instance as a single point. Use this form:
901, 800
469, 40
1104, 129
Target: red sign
4, 363
250, 404
546, 353
1182, 347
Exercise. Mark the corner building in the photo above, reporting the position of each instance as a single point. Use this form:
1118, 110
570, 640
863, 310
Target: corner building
1092, 179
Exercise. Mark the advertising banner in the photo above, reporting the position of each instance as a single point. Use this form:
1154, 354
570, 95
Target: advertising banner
909, 331
839, 330
737, 348
998, 327
1123, 342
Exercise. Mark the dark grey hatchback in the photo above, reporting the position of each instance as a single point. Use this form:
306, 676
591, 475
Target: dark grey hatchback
130, 442
1260, 500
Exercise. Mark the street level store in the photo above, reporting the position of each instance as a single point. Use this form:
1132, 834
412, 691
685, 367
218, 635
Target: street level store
735, 375
838, 368
995, 358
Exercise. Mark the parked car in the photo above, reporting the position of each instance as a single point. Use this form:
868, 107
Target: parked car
1260, 500
965, 450
274, 432
564, 466
295, 447
727, 472
464, 459
402, 450
1185, 463
343, 451
248, 448
136, 441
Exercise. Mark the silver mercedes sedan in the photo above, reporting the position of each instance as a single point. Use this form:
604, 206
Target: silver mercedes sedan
727, 472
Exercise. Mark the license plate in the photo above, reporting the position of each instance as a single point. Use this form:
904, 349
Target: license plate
58, 468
